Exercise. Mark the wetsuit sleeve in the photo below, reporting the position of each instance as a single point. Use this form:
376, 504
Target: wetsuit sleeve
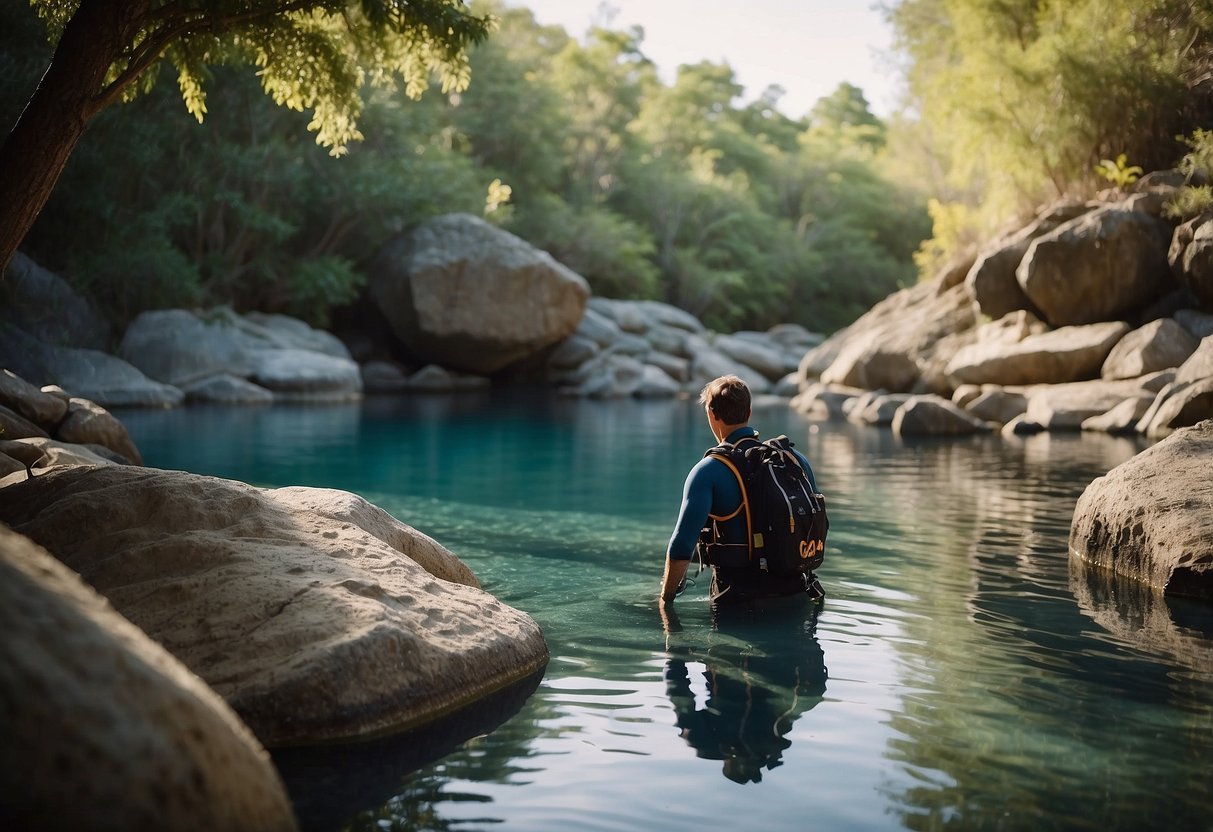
696, 503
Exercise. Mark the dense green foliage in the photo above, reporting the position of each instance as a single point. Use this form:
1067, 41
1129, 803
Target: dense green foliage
1020, 101
681, 191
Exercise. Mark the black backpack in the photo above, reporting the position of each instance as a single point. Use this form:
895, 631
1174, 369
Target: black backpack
785, 516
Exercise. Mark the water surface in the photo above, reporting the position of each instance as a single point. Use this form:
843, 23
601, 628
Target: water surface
962, 674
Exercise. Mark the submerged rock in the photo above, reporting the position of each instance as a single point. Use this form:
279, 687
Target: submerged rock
1151, 518
316, 615
103, 729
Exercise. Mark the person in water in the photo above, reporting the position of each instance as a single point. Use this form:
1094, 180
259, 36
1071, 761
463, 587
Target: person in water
711, 489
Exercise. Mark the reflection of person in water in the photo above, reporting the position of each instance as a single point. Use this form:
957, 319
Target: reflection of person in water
766, 671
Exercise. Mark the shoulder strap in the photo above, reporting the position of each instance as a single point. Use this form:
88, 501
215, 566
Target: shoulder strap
722, 453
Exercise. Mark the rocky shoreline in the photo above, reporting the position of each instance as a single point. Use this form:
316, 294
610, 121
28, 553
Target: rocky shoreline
1094, 316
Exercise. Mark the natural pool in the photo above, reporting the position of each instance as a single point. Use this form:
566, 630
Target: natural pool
962, 674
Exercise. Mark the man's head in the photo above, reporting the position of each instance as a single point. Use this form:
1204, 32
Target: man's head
728, 399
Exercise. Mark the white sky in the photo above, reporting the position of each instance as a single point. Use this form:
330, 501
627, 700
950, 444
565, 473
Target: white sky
808, 47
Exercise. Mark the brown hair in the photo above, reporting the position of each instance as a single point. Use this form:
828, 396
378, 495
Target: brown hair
728, 398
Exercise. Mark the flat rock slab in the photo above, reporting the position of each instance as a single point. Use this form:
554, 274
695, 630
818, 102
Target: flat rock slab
315, 614
1151, 518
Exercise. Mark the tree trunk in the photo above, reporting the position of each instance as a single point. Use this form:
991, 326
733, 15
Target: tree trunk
36, 150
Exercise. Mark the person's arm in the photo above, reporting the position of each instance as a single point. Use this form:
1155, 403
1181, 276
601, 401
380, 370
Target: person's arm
675, 574
696, 503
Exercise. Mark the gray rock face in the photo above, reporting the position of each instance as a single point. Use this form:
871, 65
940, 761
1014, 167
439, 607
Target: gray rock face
1159, 345
180, 348
316, 615
15, 426
1151, 518
45, 306
1068, 354
1099, 267
464, 294
762, 358
276, 353
103, 729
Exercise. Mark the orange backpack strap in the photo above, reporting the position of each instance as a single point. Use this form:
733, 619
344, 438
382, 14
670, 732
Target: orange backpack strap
745, 500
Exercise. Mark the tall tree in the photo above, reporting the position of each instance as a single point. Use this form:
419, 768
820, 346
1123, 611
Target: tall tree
310, 54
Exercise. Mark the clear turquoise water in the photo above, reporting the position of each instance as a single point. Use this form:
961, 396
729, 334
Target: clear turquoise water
962, 674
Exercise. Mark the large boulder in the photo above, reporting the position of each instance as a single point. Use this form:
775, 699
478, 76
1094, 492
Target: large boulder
1101, 266
992, 281
180, 347
1072, 353
103, 729
1159, 345
316, 615
464, 294
45, 306
1151, 518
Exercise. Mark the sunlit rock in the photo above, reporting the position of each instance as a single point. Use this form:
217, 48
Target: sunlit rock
316, 615
1122, 418
465, 294
1158, 345
1067, 406
899, 345
932, 415
1068, 354
1098, 267
992, 281
824, 401
1151, 518
103, 729
998, 405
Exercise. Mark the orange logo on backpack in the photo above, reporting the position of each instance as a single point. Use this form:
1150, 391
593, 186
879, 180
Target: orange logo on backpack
806, 549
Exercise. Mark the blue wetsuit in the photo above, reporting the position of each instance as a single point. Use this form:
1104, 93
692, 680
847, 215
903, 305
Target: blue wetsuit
711, 488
